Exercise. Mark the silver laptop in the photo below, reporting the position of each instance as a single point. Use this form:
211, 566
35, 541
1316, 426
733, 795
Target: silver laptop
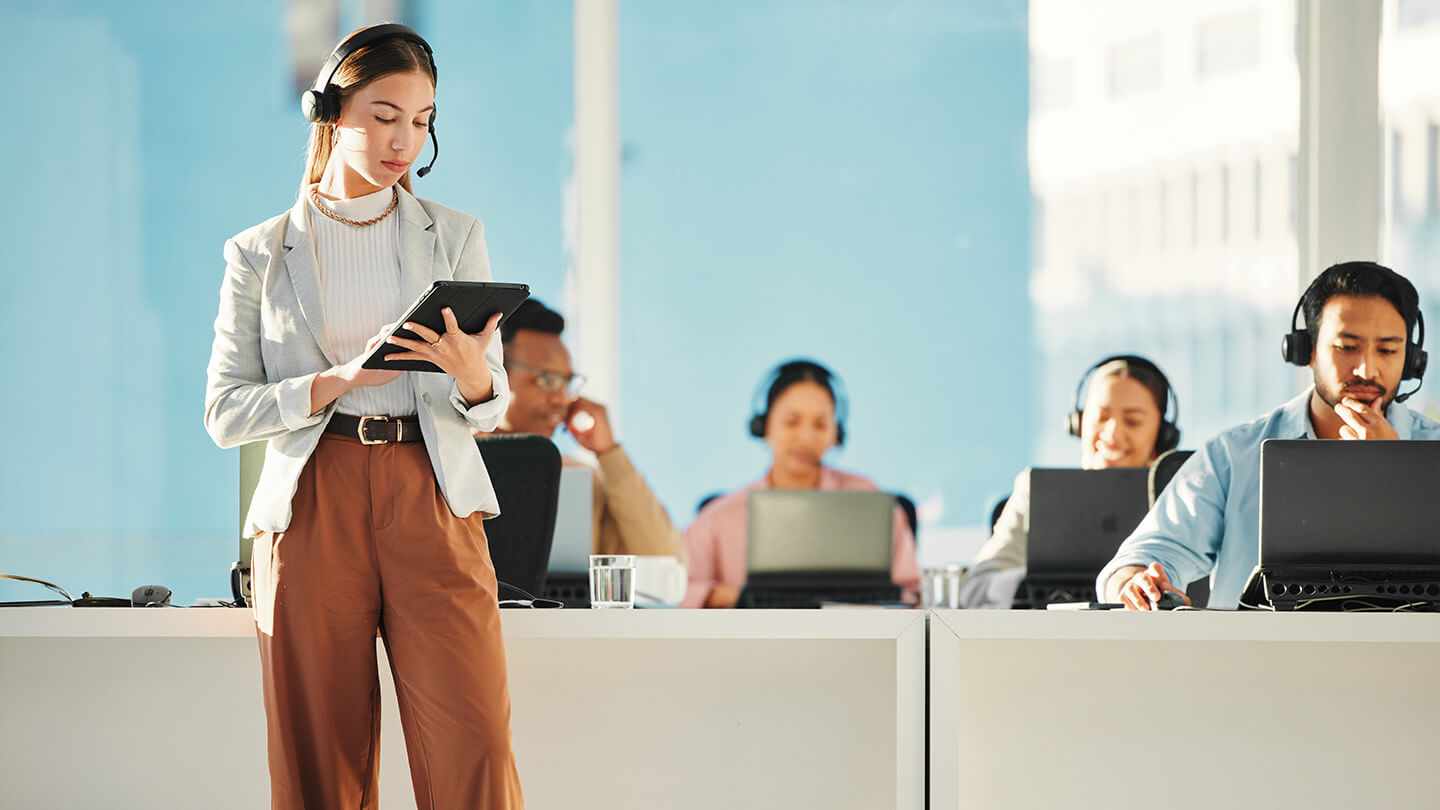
813, 530
574, 540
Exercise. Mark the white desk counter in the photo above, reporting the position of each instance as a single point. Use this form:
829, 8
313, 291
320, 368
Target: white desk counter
1184, 710
144, 708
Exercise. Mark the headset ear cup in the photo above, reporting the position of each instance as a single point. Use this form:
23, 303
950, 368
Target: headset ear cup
1416, 363
332, 106
320, 108
311, 105
839, 435
1167, 439
757, 426
1297, 347
1072, 423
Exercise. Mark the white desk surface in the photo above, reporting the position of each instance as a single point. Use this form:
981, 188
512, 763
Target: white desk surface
1183, 710
122, 708
61, 622
1202, 625
1191, 625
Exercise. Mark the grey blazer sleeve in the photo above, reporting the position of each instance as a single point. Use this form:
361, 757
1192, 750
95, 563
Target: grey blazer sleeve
241, 405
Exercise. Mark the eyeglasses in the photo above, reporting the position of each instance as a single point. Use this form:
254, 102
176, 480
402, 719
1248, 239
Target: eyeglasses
551, 380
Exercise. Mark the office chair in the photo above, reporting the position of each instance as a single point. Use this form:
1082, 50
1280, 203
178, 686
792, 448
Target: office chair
1161, 472
1164, 469
908, 507
525, 470
705, 501
996, 510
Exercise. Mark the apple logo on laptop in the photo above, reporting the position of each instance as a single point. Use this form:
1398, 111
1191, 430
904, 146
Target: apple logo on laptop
1109, 525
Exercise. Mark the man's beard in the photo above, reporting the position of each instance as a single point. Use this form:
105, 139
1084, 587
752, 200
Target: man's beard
1333, 395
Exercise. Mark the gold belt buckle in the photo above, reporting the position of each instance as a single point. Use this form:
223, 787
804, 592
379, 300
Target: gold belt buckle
365, 419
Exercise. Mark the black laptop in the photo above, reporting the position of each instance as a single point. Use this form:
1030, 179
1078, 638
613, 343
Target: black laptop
1348, 525
1078, 518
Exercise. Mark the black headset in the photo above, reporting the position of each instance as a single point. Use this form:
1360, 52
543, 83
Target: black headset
787, 374
1169, 436
1298, 346
321, 103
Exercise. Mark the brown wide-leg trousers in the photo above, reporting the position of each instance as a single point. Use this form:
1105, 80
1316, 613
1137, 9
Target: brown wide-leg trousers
373, 546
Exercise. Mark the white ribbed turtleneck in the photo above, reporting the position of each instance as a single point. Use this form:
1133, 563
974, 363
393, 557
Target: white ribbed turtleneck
359, 272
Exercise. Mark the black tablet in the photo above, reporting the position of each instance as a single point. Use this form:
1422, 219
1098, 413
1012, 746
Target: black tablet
473, 303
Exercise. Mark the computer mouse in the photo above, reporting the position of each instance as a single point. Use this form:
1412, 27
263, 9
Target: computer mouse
1169, 600
150, 596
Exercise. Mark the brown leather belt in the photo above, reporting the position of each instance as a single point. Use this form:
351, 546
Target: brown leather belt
376, 429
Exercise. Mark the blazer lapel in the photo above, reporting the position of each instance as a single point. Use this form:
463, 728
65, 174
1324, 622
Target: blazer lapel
418, 267
300, 262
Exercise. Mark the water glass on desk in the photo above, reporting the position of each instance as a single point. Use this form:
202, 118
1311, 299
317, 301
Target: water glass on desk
612, 580
940, 586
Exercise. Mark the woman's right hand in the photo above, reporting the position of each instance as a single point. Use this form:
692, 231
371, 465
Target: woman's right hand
332, 382
361, 377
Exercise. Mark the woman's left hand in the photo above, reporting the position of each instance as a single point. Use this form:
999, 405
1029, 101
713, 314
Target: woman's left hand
460, 355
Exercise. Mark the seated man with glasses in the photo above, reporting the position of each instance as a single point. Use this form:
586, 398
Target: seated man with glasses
544, 395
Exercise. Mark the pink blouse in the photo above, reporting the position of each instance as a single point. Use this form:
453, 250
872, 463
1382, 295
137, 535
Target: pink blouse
715, 542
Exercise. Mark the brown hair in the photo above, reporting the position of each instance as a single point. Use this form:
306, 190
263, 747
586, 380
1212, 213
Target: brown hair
1142, 373
365, 65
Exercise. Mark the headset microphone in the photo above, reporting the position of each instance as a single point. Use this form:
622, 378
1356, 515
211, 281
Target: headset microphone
434, 153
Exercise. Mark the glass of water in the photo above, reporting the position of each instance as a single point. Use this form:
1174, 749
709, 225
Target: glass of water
612, 580
940, 586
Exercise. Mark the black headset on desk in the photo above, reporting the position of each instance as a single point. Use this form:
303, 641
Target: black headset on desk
1299, 345
321, 103
1169, 436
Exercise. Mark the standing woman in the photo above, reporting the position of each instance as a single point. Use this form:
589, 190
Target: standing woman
368, 514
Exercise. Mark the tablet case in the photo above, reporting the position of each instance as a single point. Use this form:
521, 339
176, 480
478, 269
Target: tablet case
473, 303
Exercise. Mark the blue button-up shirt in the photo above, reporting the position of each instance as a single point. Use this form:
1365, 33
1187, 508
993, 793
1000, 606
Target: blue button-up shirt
1207, 521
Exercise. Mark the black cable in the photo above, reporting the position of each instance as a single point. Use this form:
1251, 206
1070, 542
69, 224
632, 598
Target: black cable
530, 600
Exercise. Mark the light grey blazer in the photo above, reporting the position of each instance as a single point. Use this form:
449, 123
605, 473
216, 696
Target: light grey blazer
270, 344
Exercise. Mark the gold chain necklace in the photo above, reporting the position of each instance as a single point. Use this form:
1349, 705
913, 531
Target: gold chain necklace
315, 195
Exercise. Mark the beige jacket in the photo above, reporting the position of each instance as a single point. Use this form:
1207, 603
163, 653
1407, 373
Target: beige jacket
628, 517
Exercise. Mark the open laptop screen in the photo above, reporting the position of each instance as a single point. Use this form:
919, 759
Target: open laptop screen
1079, 517
574, 522
813, 530
1349, 503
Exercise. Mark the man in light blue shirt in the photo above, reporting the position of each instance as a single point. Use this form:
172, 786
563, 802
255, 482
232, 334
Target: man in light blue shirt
1358, 320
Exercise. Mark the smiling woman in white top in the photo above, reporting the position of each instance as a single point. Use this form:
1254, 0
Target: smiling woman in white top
368, 514
1121, 420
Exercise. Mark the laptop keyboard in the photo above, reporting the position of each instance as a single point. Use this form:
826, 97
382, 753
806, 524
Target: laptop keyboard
792, 598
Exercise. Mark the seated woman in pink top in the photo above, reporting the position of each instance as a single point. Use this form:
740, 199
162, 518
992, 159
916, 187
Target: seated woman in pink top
802, 420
